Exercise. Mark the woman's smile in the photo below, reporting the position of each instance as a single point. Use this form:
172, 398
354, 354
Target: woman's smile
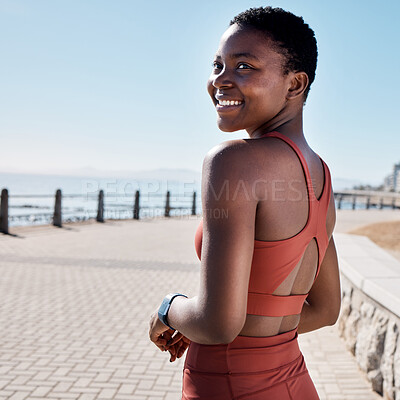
223, 104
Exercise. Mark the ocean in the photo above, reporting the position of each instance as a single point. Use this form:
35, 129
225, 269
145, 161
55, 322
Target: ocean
32, 197
80, 197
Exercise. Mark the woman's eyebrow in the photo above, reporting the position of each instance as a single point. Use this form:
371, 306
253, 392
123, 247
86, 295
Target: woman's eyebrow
240, 55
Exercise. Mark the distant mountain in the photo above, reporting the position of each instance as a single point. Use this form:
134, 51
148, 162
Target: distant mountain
170, 174
346, 183
163, 174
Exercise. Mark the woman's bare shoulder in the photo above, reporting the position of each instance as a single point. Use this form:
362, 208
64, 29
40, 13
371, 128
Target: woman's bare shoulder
243, 153
227, 147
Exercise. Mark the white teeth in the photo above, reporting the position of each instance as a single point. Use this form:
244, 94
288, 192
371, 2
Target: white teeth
229, 102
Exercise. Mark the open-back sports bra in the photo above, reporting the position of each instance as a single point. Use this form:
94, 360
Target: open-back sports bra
273, 261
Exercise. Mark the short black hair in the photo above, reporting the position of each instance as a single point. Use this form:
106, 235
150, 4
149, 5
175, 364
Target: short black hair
294, 38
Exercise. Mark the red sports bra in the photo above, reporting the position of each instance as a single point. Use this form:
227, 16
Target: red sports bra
273, 261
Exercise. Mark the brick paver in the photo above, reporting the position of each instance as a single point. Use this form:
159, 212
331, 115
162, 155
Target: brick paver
75, 304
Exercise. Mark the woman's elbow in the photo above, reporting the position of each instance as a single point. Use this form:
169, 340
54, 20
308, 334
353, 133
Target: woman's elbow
333, 314
331, 320
222, 337
223, 332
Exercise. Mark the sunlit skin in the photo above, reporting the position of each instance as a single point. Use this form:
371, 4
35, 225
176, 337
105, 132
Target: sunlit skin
249, 70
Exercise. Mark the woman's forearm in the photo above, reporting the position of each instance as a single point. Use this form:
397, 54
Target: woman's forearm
185, 315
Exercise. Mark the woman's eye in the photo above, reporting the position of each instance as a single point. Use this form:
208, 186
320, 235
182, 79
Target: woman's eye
244, 66
216, 65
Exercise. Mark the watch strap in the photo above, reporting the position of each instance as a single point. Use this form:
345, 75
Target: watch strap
165, 306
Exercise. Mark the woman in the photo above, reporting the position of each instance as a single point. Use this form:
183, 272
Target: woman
269, 268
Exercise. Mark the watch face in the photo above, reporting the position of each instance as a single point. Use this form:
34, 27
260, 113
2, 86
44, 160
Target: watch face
163, 310
164, 307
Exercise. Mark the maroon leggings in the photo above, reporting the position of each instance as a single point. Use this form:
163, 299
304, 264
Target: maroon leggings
249, 368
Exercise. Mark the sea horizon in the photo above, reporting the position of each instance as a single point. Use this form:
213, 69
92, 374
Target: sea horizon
119, 194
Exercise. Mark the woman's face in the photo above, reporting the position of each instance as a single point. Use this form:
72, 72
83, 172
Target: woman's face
247, 84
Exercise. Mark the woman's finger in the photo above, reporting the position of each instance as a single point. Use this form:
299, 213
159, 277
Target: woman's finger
175, 339
172, 353
182, 349
161, 344
186, 340
171, 350
181, 352
168, 334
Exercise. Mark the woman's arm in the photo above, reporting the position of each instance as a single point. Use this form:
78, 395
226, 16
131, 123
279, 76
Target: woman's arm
218, 313
323, 302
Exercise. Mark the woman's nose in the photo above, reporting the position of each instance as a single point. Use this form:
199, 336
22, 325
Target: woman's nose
222, 79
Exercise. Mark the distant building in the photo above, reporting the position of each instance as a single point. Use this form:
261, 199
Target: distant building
388, 184
396, 177
392, 182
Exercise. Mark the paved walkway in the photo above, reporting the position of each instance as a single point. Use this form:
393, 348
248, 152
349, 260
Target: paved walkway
74, 312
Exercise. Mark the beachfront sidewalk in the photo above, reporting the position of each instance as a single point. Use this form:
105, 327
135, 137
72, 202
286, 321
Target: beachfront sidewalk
75, 305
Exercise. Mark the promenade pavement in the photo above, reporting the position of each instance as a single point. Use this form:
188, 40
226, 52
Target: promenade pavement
74, 310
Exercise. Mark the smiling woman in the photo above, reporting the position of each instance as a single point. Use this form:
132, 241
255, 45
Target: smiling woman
269, 269
246, 65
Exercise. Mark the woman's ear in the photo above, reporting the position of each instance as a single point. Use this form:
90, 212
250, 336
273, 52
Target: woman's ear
298, 85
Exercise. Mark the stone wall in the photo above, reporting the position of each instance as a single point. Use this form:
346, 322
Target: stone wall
370, 327
371, 333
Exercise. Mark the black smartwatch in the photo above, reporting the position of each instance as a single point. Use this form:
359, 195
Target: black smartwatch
164, 308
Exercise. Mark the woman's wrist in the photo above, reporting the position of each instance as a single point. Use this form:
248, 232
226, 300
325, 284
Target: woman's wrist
165, 307
180, 314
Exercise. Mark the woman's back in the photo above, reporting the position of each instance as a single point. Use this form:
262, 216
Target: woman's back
289, 243
294, 220
283, 214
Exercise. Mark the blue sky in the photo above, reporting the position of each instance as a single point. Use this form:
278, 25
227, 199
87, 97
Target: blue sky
121, 85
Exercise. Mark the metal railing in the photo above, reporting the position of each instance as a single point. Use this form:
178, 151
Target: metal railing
57, 216
368, 199
351, 198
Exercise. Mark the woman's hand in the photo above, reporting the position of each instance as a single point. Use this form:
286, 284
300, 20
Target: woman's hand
158, 332
177, 346
164, 338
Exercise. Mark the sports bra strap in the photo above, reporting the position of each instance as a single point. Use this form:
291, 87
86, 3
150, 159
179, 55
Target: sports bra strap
303, 162
272, 305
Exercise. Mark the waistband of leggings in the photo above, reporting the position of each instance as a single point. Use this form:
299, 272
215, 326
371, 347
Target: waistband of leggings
246, 354
263, 341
